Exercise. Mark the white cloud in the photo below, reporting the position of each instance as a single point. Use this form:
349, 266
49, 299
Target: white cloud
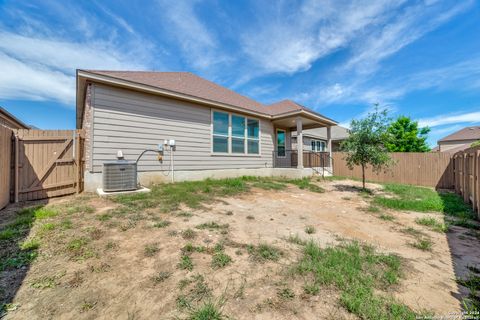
470, 117
283, 41
198, 45
44, 68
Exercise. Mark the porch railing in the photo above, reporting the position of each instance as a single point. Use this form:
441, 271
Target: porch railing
311, 159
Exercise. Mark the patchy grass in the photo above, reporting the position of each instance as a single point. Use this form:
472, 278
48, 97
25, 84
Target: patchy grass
220, 260
285, 293
185, 263
472, 302
413, 198
264, 252
212, 226
412, 231
189, 234
162, 224
424, 244
295, 239
373, 209
357, 271
386, 217
161, 277
432, 223
306, 184
151, 249
207, 311
310, 230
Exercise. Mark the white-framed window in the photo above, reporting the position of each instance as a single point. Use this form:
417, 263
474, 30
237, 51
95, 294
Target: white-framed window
281, 143
318, 145
235, 134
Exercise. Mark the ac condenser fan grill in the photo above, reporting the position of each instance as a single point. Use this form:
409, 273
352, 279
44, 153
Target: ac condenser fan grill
119, 175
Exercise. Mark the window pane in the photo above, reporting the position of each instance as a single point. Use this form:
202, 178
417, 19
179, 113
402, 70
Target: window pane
281, 151
238, 145
252, 128
319, 146
281, 138
253, 146
313, 145
220, 123
238, 126
220, 144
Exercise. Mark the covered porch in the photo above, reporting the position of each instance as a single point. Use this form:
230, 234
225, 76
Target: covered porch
288, 155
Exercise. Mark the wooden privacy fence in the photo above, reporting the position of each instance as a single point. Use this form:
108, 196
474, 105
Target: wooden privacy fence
43, 164
430, 169
5, 164
466, 176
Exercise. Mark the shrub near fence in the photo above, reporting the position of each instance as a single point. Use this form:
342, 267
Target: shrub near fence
430, 169
466, 176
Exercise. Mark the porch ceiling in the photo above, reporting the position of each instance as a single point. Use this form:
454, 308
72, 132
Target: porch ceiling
291, 123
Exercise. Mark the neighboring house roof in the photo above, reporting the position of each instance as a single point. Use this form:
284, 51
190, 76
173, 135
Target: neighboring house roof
458, 148
9, 120
338, 133
435, 149
186, 85
468, 133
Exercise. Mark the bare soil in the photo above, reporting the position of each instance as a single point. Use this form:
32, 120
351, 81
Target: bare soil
113, 278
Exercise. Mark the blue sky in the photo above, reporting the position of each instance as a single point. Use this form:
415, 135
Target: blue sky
418, 58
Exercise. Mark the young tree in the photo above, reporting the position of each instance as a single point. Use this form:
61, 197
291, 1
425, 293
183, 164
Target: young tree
366, 143
405, 136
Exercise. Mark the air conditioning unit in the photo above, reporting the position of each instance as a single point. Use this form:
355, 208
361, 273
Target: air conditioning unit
119, 175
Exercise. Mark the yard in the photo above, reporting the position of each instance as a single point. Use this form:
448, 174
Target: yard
246, 248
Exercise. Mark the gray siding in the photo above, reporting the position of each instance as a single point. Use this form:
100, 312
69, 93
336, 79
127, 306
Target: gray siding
131, 121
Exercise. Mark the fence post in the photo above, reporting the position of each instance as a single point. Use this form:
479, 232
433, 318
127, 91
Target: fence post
477, 183
16, 167
78, 160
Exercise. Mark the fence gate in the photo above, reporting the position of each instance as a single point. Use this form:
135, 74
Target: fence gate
48, 163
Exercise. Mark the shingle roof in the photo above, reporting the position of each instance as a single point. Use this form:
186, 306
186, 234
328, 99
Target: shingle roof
186, 83
192, 85
468, 133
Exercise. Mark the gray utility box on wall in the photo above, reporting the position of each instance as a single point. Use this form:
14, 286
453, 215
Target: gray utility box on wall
119, 175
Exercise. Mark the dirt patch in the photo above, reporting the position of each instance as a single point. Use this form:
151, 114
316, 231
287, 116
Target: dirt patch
110, 263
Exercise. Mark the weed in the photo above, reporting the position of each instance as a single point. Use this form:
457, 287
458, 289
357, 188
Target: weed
47, 226
66, 224
264, 252
161, 277
162, 224
250, 217
207, 311
373, 209
44, 282
184, 214
433, 223
9, 234
80, 208
87, 305
31, 244
311, 288
424, 244
304, 183
151, 249
172, 233
185, 263
387, 217
472, 283
212, 226
220, 260
189, 248
130, 224
189, 234
347, 198
465, 223
105, 217
44, 213
95, 233
310, 229
111, 245
229, 213
285, 293
296, 240
356, 271
412, 231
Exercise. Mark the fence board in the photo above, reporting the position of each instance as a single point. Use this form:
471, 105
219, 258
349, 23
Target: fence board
466, 165
430, 169
5, 165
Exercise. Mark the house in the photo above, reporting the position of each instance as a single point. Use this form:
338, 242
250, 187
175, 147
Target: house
459, 140
217, 132
10, 121
316, 139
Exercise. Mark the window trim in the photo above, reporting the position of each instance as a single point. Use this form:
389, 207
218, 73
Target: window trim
230, 136
276, 142
321, 142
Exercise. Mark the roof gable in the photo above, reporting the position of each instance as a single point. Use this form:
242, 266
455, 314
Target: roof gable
468, 133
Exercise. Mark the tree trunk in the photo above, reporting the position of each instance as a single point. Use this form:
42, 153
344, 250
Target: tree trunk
363, 176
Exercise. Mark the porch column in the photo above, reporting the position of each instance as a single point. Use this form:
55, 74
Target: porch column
329, 145
299, 143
